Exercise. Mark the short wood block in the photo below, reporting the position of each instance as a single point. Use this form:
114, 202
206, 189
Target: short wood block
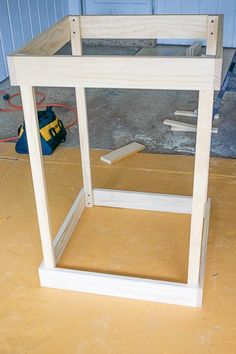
122, 153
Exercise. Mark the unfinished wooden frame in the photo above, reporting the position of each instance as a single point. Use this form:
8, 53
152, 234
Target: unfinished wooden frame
35, 65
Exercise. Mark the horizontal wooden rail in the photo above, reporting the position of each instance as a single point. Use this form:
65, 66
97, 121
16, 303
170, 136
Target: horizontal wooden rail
143, 201
146, 26
121, 286
68, 226
50, 41
177, 73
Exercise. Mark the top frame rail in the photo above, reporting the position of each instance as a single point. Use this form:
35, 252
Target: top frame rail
145, 26
207, 27
48, 42
185, 73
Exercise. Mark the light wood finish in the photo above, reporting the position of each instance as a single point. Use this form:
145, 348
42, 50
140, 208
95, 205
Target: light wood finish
214, 45
186, 113
135, 72
215, 36
121, 286
194, 49
146, 26
75, 35
48, 321
76, 45
68, 226
50, 41
201, 171
122, 153
184, 127
180, 125
212, 35
191, 130
192, 114
187, 73
84, 145
219, 50
204, 245
140, 200
37, 170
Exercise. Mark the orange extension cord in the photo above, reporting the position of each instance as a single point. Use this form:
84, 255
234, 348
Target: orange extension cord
39, 104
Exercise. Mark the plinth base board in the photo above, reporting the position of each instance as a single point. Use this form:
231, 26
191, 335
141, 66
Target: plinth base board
130, 287
120, 286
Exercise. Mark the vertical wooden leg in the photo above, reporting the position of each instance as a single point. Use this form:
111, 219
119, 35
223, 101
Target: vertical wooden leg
76, 46
84, 145
201, 172
37, 170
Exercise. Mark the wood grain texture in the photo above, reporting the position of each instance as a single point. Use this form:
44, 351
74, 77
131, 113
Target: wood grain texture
184, 127
204, 247
75, 35
122, 72
140, 200
37, 170
64, 234
200, 187
122, 153
187, 73
51, 321
76, 45
146, 26
120, 286
215, 36
50, 41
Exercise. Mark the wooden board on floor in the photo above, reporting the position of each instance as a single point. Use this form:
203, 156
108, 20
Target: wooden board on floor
122, 153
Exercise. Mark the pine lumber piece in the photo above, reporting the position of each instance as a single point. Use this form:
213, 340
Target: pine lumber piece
184, 127
122, 153
194, 49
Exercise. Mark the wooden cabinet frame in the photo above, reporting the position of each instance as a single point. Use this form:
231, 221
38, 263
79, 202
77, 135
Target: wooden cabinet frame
35, 65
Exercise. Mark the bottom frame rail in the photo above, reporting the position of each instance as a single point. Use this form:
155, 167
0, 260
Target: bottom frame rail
120, 286
125, 286
142, 201
204, 243
68, 226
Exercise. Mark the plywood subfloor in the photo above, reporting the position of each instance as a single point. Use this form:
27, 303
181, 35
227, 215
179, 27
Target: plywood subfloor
44, 321
130, 242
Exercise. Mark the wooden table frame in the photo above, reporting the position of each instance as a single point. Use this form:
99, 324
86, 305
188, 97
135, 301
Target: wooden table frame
35, 65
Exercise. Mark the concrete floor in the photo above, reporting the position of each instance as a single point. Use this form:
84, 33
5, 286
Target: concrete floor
118, 117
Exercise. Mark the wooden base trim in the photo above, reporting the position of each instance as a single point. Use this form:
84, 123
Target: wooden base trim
124, 286
204, 247
143, 201
120, 286
68, 226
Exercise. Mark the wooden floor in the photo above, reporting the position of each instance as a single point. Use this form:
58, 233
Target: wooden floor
45, 321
